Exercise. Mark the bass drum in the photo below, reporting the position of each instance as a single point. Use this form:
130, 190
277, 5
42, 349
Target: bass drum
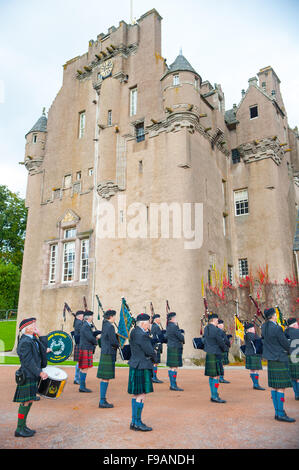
53, 386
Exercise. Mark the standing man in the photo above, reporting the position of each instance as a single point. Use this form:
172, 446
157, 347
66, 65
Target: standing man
253, 359
88, 344
78, 322
175, 341
275, 349
156, 332
214, 346
109, 346
143, 357
225, 359
32, 352
292, 334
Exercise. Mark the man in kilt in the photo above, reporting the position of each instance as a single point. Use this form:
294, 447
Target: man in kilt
78, 322
143, 356
214, 346
32, 352
109, 346
225, 359
253, 359
156, 332
88, 343
275, 349
292, 334
175, 341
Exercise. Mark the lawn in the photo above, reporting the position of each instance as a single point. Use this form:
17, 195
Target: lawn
7, 335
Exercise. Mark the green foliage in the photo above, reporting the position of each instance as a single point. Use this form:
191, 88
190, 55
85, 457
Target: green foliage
7, 335
13, 218
10, 278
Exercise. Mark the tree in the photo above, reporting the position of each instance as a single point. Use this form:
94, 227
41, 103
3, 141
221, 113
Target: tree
13, 218
10, 278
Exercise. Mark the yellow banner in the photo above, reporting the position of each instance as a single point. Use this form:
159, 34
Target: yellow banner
239, 329
278, 318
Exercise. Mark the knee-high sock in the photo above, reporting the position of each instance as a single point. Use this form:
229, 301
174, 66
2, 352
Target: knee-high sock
175, 374
170, 374
255, 379
139, 408
103, 390
77, 373
134, 411
216, 386
83, 379
280, 402
155, 369
22, 416
274, 399
213, 387
295, 387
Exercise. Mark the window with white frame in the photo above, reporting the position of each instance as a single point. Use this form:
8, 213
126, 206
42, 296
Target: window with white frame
82, 120
230, 273
53, 264
67, 181
84, 259
133, 101
176, 79
241, 202
243, 267
70, 233
68, 262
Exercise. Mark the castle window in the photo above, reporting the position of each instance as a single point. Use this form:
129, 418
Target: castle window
84, 259
176, 79
78, 175
241, 202
253, 112
34, 139
68, 262
53, 263
67, 181
235, 156
81, 124
133, 101
140, 166
109, 123
57, 193
90, 171
224, 219
196, 83
230, 273
243, 267
70, 233
139, 129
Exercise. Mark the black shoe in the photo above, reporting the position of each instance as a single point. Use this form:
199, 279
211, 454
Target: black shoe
24, 433
105, 405
176, 389
297, 398
257, 387
157, 381
285, 418
133, 427
30, 430
85, 390
224, 381
218, 400
142, 427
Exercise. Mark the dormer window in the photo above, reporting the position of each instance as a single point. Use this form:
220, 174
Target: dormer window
176, 79
253, 112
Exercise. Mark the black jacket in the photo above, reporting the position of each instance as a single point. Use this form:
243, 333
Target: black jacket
109, 342
33, 355
225, 338
250, 349
87, 339
77, 328
143, 355
175, 339
213, 340
275, 345
291, 334
156, 331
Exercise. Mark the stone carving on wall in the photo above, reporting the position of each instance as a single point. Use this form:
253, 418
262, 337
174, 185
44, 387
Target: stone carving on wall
107, 189
33, 165
261, 149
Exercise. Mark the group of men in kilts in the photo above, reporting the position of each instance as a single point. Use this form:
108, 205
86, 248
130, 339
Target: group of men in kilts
146, 355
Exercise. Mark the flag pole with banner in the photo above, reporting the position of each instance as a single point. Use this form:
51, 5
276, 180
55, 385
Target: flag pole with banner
126, 321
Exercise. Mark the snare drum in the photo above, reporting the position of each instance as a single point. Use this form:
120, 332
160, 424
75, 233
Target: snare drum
53, 386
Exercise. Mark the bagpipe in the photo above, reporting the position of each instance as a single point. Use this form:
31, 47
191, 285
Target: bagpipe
95, 332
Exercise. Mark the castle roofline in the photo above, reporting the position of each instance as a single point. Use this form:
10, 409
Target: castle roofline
180, 64
40, 125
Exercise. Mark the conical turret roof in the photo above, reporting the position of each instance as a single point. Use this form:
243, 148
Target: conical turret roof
180, 64
40, 125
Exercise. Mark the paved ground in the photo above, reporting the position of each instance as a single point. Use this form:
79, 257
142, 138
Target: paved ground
181, 420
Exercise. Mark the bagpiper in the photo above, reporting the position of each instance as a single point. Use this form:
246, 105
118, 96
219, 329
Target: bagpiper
32, 351
175, 342
225, 360
276, 348
109, 346
253, 358
156, 332
88, 344
292, 334
78, 322
214, 346
143, 356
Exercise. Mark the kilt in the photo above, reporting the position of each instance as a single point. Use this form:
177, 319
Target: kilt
294, 368
76, 352
174, 357
26, 392
225, 359
214, 366
279, 375
85, 359
254, 362
106, 369
140, 381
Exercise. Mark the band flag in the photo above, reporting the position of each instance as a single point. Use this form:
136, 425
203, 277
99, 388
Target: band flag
239, 328
126, 321
279, 318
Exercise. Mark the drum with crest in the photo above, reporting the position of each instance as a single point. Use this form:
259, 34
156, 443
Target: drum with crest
53, 386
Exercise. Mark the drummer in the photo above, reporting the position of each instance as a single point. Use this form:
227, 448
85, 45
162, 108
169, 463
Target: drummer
88, 343
32, 351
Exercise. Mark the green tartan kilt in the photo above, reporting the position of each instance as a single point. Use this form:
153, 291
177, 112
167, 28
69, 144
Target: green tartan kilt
225, 359
106, 369
254, 362
214, 366
294, 368
140, 381
26, 392
279, 375
174, 357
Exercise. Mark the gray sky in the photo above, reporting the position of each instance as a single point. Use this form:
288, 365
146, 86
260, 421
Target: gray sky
226, 41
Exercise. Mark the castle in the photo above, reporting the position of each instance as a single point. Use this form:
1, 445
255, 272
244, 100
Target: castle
128, 132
